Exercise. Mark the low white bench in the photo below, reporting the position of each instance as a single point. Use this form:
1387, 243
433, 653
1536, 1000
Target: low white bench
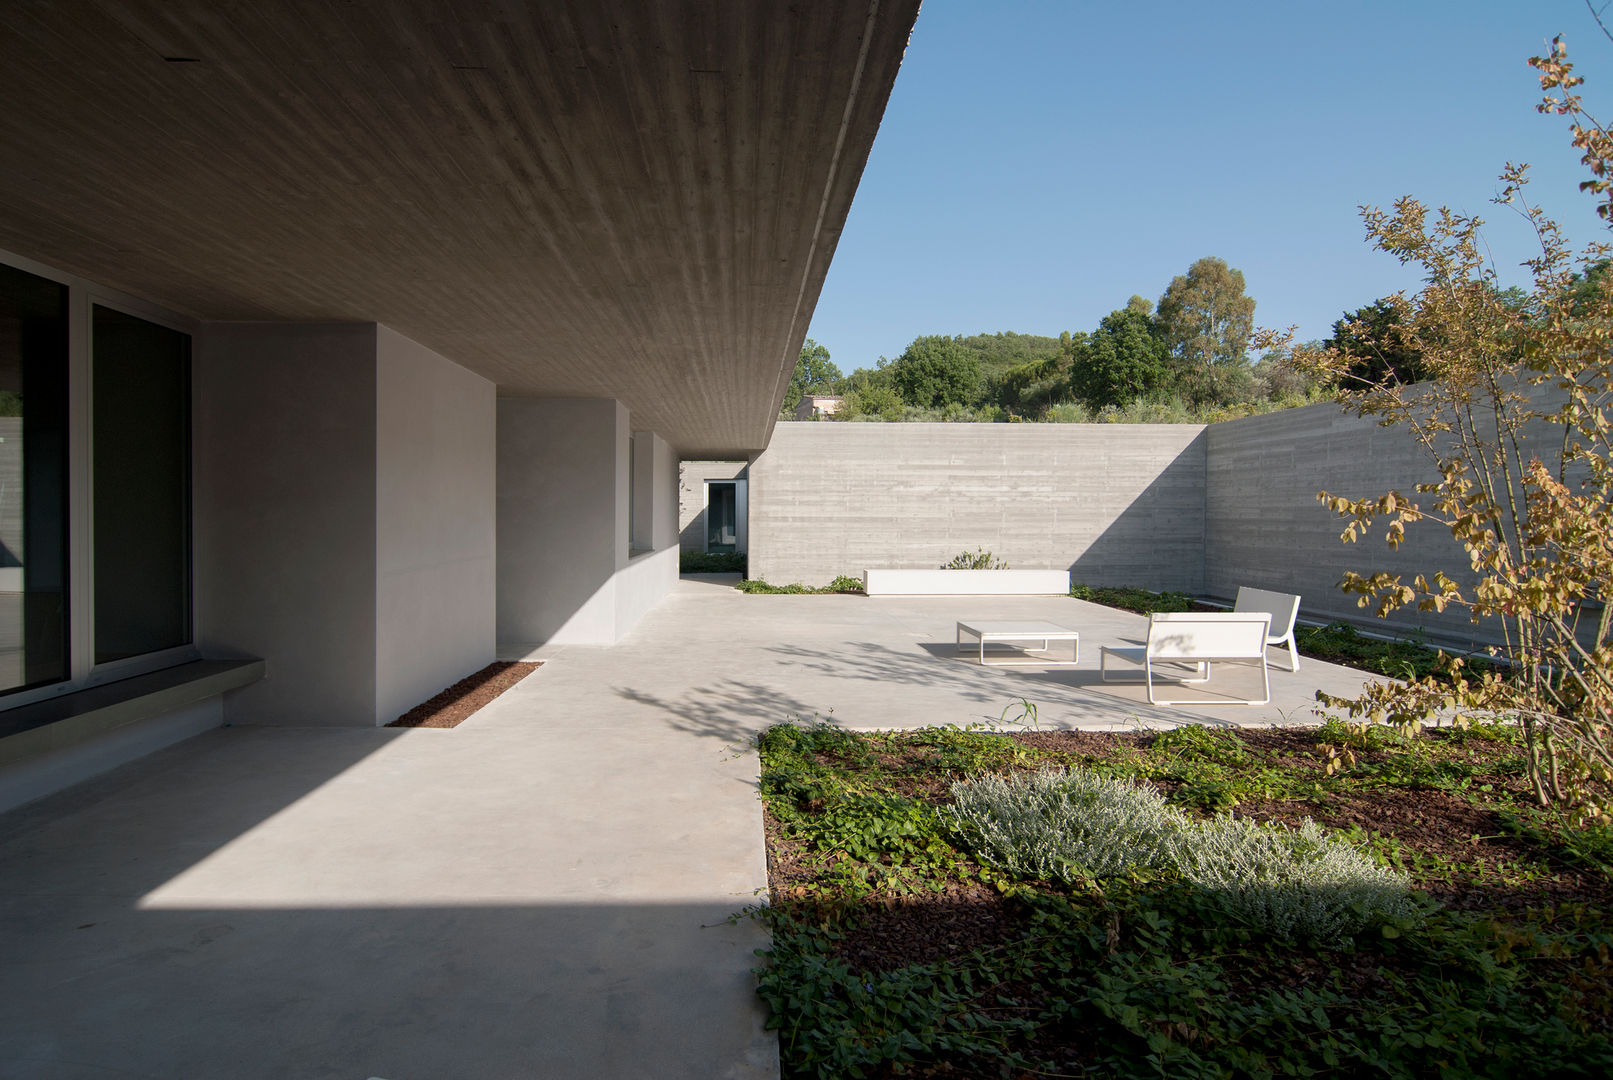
1199, 639
1008, 633
1283, 609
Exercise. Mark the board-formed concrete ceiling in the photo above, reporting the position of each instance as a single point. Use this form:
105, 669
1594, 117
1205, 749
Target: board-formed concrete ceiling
636, 200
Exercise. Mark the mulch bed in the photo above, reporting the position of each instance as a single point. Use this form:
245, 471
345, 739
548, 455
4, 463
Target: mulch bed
451, 707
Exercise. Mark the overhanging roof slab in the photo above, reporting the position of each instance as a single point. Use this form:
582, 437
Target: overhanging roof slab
637, 200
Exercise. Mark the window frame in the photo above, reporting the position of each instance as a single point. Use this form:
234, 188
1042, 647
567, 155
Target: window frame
83, 296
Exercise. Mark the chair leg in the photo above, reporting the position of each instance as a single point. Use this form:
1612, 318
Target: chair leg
1293, 652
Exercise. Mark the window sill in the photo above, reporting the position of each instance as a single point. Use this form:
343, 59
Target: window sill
56, 723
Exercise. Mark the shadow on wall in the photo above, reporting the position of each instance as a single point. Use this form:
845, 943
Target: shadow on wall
693, 536
1157, 541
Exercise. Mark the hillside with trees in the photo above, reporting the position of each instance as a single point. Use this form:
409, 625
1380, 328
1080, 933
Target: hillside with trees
1186, 358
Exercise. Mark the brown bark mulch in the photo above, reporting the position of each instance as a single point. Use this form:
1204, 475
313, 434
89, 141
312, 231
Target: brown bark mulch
452, 706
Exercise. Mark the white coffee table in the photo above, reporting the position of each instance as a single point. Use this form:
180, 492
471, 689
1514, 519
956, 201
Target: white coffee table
1012, 633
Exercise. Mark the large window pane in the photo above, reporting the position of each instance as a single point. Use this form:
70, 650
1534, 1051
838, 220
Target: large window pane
140, 451
722, 519
33, 480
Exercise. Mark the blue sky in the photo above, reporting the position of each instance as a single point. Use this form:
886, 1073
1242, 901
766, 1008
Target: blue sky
1040, 162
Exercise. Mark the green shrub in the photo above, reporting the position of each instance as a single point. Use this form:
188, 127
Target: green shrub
711, 562
979, 559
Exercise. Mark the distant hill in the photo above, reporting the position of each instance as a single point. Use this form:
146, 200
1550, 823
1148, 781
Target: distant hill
1004, 350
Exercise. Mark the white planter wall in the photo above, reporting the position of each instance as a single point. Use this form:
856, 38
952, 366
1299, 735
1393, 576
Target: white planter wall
966, 582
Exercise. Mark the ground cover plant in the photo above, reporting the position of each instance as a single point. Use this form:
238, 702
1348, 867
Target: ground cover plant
1342, 900
1131, 598
845, 583
711, 562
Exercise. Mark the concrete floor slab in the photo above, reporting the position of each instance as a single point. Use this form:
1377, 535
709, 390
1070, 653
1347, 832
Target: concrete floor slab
542, 891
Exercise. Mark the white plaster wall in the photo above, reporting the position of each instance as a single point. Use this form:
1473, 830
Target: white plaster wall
664, 509
641, 585
284, 515
622, 542
561, 518
564, 571
643, 495
436, 453
649, 577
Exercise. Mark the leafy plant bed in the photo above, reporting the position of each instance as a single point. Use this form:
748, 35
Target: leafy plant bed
845, 583
453, 706
1130, 598
906, 944
711, 562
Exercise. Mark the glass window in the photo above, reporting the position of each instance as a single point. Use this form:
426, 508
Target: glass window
721, 519
33, 480
140, 456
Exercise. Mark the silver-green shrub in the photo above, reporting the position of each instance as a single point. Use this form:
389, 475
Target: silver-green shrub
1293, 883
1075, 826
1063, 826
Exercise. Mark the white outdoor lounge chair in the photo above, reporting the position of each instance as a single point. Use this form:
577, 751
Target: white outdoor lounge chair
1200, 639
1283, 609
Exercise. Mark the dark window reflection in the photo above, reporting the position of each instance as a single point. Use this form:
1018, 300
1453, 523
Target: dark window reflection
33, 480
140, 453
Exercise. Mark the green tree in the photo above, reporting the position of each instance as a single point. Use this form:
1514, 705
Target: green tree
936, 370
1030, 389
875, 400
1375, 337
1122, 361
814, 374
1206, 322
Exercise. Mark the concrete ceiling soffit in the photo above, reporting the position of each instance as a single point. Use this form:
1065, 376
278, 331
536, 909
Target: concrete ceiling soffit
637, 201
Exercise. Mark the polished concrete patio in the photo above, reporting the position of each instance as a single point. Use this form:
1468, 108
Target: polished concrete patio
542, 891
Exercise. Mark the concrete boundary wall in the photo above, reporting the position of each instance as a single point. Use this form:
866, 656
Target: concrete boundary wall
1264, 526
1197, 509
1114, 505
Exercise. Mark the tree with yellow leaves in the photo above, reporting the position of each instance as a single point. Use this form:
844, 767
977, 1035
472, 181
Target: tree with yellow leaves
1515, 417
